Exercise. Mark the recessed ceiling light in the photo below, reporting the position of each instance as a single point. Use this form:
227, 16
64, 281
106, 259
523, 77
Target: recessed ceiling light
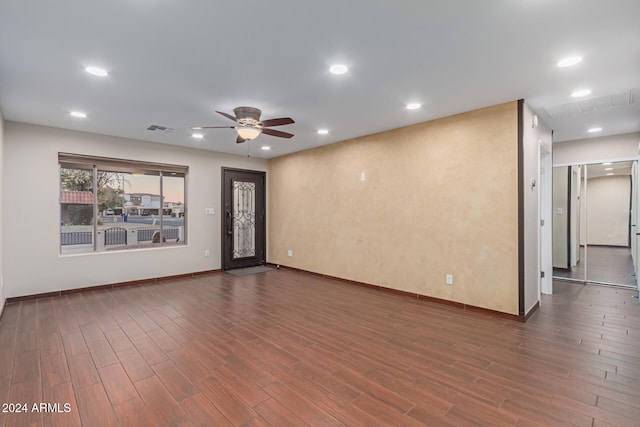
338, 69
413, 106
567, 62
610, 173
97, 71
581, 92
594, 130
323, 131
78, 114
266, 148
197, 135
608, 169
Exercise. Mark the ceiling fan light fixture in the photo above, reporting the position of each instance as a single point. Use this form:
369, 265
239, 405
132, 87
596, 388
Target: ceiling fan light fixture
248, 133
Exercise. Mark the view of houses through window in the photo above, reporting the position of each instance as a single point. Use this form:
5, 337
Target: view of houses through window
109, 204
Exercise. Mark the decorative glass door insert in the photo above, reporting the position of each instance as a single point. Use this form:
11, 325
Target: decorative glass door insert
244, 219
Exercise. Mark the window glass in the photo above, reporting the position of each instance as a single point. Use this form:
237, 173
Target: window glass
76, 210
174, 218
136, 205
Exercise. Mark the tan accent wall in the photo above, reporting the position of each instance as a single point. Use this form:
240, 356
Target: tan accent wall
438, 198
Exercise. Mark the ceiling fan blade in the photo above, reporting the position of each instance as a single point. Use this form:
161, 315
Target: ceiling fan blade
228, 116
240, 140
213, 127
277, 133
277, 122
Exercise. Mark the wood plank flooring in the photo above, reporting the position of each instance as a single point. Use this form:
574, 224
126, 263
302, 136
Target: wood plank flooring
285, 348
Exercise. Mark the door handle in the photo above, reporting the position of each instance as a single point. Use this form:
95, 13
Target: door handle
229, 223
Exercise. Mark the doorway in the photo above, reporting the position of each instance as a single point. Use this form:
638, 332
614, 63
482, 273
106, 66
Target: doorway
594, 214
244, 222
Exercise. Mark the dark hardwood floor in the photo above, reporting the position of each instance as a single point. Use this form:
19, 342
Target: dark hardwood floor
285, 348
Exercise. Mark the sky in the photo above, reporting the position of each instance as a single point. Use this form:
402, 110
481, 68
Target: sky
173, 187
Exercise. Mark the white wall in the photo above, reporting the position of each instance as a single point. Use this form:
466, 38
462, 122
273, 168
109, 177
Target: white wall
32, 223
533, 138
2, 291
608, 202
596, 149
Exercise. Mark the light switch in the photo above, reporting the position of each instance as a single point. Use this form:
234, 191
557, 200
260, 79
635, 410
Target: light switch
560, 211
363, 176
209, 211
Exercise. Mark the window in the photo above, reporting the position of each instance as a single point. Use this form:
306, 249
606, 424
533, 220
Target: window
111, 204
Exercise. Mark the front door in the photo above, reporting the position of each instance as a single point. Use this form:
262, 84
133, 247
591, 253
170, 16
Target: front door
243, 225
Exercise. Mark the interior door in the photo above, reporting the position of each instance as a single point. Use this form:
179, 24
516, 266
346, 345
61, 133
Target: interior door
243, 226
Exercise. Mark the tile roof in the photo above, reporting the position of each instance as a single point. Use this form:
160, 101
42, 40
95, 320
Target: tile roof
76, 197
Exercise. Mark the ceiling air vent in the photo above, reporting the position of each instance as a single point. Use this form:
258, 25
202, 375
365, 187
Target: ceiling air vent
598, 103
160, 128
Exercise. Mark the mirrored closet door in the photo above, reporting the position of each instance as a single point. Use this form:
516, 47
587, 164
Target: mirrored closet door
594, 223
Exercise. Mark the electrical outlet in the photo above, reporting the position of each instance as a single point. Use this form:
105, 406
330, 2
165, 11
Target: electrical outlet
290, 252
207, 252
449, 279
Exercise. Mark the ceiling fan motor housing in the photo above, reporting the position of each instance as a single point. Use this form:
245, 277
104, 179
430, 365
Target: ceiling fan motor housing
248, 115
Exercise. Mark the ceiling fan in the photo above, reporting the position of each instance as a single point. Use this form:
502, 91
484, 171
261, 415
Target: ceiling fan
249, 125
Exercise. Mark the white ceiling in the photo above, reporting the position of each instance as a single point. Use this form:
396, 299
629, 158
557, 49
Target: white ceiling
173, 63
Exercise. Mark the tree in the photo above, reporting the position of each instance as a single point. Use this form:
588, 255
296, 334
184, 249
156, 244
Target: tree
110, 198
76, 179
82, 179
110, 185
